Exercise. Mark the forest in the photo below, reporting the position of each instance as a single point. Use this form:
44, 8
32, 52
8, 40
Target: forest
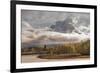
66, 50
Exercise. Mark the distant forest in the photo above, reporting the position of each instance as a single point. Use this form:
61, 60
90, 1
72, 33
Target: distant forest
81, 48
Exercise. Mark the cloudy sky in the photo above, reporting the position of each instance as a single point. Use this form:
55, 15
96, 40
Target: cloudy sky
40, 27
39, 19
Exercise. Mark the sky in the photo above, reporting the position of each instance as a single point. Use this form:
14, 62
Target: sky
39, 19
39, 27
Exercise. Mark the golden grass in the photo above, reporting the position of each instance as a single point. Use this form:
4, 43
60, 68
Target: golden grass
61, 51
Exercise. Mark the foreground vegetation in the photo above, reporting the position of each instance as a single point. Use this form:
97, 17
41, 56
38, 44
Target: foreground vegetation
60, 50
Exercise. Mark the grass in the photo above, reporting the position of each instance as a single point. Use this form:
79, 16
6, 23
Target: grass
60, 51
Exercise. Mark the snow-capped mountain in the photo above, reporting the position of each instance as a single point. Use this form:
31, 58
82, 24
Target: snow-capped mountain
70, 25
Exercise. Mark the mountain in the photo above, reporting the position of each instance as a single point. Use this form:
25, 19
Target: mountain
63, 26
72, 24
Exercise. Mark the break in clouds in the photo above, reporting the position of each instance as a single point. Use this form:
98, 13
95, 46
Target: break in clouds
46, 27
